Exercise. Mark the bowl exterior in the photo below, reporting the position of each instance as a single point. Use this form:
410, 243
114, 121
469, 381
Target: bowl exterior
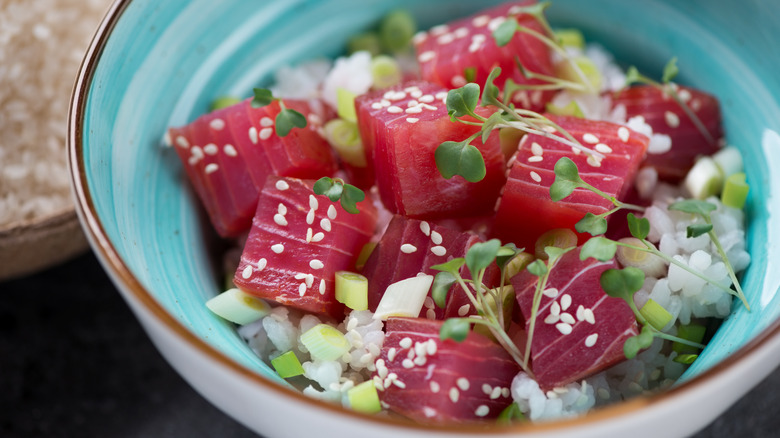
158, 64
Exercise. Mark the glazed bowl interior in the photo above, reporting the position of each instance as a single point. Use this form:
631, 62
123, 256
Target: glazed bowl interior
159, 64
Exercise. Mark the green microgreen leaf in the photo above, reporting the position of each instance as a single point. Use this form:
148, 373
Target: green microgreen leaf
451, 266
694, 206
350, 197
590, 223
470, 74
490, 124
460, 158
600, 248
511, 414
442, 283
686, 359
537, 268
262, 97
566, 170
555, 252
481, 255
491, 92
670, 71
506, 253
463, 101
697, 230
456, 329
622, 283
639, 228
324, 186
634, 344
633, 76
287, 119
504, 33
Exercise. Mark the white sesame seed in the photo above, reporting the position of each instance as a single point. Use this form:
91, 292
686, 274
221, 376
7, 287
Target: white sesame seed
495, 23
427, 98
317, 237
415, 93
580, 313
313, 202
446, 38
589, 316
420, 360
482, 410
552, 319
261, 264
439, 250
322, 287
247, 272
567, 318
332, 212
265, 133
408, 248
487, 389
412, 103
412, 119
211, 168
672, 119
405, 342
266, 122
280, 220
454, 395
407, 363
564, 328
431, 347
555, 308
430, 314
309, 235
429, 303
537, 149
413, 110
253, 135
551, 292
211, 149
623, 134
230, 150
439, 29
316, 264
480, 20
441, 95
590, 138
310, 217
300, 276
282, 185
395, 110
435, 387
495, 393
302, 289
458, 81
463, 383
685, 95
594, 161
325, 224
604, 149
535, 159
461, 32
391, 354
535, 176
376, 106
565, 301
591, 340
464, 309
182, 141
425, 227
277, 248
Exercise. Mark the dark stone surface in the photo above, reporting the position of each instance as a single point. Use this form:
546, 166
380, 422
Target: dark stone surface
74, 362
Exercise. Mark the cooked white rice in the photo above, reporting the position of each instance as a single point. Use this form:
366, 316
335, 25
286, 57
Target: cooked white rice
42, 43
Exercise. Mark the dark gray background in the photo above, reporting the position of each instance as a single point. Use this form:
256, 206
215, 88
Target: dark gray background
74, 362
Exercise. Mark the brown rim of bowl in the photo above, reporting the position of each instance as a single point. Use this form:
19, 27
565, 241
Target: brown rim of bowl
113, 262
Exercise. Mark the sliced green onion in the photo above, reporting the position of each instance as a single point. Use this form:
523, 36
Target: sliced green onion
367, 41
592, 76
396, 30
571, 109
511, 414
690, 332
224, 102
345, 101
558, 237
735, 191
686, 359
352, 290
325, 342
650, 264
344, 136
404, 298
287, 365
570, 38
705, 179
385, 72
518, 264
729, 160
655, 314
238, 307
509, 139
364, 254
364, 398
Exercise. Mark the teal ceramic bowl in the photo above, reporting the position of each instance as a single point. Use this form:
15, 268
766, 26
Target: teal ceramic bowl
155, 64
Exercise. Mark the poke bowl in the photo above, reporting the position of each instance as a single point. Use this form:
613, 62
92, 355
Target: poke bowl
154, 72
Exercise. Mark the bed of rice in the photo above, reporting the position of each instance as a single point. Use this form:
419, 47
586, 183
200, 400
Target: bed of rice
42, 43
684, 295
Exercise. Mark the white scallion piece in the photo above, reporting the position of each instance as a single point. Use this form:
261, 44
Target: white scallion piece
705, 179
238, 307
404, 298
325, 342
729, 160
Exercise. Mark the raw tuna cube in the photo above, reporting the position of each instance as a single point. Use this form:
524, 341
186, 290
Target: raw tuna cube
666, 116
526, 210
401, 128
465, 48
217, 173
297, 242
228, 155
435, 381
409, 247
579, 329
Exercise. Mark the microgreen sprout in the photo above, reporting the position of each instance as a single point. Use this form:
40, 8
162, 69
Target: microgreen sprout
666, 85
462, 157
623, 283
567, 179
286, 119
337, 190
488, 302
704, 209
